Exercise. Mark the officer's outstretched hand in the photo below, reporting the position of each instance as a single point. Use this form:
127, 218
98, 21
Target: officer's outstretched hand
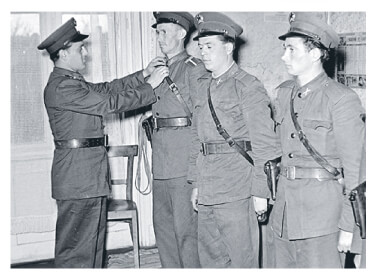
194, 199
345, 241
158, 76
156, 62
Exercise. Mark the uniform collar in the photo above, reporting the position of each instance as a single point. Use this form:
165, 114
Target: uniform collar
231, 71
181, 56
314, 84
67, 73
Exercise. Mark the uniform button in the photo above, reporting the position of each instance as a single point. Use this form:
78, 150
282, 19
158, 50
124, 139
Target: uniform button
292, 135
158, 97
157, 114
290, 155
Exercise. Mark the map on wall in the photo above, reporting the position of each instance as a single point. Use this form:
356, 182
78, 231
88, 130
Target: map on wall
351, 63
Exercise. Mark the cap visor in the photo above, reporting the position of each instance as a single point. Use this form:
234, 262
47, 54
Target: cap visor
206, 34
293, 34
79, 37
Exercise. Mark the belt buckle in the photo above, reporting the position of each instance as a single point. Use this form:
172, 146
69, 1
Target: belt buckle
204, 148
155, 123
75, 143
230, 141
291, 172
105, 140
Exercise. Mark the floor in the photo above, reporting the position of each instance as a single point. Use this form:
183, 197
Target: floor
123, 258
149, 258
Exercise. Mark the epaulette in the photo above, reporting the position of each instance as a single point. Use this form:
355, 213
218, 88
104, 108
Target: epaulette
241, 75
67, 80
74, 77
192, 61
335, 91
286, 84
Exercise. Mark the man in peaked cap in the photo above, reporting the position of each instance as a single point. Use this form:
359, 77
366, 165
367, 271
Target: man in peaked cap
213, 23
80, 164
230, 187
60, 38
175, 221
312, 219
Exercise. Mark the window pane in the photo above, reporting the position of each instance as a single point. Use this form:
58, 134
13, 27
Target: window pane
27, 118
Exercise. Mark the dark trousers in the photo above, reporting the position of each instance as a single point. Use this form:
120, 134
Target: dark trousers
228, 235
268, 246
80, 233
175, 223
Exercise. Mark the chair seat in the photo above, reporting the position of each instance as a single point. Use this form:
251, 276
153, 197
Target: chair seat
121, 209
121, 205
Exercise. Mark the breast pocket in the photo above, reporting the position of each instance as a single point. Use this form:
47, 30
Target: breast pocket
318, 125
319, 133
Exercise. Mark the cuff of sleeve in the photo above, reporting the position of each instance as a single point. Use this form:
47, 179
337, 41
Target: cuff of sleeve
139, 75
347, 222
191, 175
193, 184
259, 188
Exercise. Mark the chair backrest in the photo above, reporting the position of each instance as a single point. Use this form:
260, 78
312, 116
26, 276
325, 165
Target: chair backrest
129, 152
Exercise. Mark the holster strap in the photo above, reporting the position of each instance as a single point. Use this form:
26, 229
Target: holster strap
81, 143
171, 122
208, 148
295, 172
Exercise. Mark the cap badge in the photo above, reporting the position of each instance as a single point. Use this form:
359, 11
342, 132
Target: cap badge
292, 17
199, 18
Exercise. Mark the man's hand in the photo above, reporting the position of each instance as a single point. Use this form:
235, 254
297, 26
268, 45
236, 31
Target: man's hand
157, 76
194, 199
260, 205
345, 241
156, 62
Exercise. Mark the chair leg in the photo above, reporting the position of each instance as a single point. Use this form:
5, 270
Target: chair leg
135, 238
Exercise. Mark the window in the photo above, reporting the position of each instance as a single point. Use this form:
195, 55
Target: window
30, 68
27, 118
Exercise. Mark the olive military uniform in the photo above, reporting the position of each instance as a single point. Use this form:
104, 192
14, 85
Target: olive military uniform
227, 224
228, 233
310, 206
175, 221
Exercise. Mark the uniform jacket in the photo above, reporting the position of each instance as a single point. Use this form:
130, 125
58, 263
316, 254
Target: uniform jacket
329, 114
75, 109
170, 146
242, 106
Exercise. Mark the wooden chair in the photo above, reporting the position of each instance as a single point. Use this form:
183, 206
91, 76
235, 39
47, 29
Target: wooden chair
125, 209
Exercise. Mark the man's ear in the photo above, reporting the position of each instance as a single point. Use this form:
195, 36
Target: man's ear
315, 54
62, 54
229, 47
182, 33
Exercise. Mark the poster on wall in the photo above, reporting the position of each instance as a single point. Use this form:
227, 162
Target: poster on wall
351, 64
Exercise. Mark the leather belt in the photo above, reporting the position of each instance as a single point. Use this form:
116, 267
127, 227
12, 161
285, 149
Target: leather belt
223, 147
295, 172
171, 122
81, 143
